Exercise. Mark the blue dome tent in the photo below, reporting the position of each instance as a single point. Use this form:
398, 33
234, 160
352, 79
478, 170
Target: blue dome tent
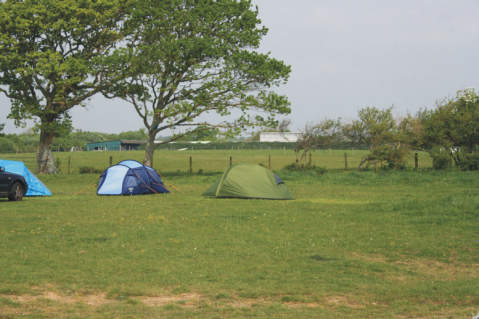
130, 178
35, 186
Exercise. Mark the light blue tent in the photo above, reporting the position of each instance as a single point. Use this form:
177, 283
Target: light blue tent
35, 186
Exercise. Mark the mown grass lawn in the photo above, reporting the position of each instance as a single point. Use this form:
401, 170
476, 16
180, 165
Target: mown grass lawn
351, 245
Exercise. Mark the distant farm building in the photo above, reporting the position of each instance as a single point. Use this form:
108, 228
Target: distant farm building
120, 145
279, 137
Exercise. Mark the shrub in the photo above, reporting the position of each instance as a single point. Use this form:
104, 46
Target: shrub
58, 165
389, 156
6, 146
396, 158
90, 170
294, 167
470, 162
440, 158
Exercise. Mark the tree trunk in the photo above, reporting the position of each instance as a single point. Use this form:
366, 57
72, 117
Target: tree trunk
45, 161
150, 149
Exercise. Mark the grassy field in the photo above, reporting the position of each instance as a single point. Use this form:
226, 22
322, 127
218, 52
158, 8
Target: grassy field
206, 160
351, 245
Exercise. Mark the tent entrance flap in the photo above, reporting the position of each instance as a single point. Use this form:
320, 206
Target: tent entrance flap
113, 183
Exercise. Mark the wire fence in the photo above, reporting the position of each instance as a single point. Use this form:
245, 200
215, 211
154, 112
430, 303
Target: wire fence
204, 161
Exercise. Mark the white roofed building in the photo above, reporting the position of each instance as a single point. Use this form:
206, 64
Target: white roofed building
279, 137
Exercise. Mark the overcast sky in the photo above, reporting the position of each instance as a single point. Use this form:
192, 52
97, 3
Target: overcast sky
345, 55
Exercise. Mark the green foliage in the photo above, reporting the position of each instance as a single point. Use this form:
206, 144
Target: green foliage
139, 135
374, 127
441, 159
388, 142
394, 156
316, 170
89, 170
410, 131
28, 142
453, 126
321, 135
52, 58
23, 143
58, 164
186, 59
201, 133
62, 45
6, 145
78, 139
470, 162
229, 146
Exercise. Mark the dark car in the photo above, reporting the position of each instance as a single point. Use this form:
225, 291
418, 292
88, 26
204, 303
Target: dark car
12, 185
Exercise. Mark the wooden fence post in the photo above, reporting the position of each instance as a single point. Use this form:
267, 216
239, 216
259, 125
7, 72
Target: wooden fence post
231, 161
376, 166
111, 161
269, 161
345, 161
191, 164
69, 164
416, 161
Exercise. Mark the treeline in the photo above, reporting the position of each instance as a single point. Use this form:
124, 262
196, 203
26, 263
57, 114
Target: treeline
77, 140
450, 133
28, 142
251, 145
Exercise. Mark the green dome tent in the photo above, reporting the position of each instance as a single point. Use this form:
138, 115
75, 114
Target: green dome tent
249, 181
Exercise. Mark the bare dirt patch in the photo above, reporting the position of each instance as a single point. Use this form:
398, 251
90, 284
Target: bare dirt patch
437, 269
371, 258
92, 300
302, 305
427, 267
344, 301
250, 302
188, 300
101, 299
246, 302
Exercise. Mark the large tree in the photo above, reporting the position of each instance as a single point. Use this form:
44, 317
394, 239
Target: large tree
52, 58
188, 59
